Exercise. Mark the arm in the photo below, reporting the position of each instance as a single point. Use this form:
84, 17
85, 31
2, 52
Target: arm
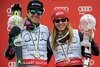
49, 54
94, 48
49, 50
9, 52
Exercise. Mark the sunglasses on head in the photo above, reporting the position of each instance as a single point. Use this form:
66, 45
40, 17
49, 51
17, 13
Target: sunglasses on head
62, 20
39, 12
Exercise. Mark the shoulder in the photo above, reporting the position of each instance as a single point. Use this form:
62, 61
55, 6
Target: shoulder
24, 32
43, 26
75, 31
78, 34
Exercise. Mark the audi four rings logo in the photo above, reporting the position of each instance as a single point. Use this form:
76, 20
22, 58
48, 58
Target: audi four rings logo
85, 8
11, 64
65, 7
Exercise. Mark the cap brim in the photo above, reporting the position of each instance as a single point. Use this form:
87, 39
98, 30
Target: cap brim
35, 8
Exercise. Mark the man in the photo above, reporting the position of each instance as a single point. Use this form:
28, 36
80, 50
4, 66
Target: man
35, 51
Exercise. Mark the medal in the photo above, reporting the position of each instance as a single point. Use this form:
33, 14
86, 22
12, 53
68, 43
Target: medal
36, 54
66, 62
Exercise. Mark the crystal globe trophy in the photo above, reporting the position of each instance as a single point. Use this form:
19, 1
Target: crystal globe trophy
87, 21
15, 20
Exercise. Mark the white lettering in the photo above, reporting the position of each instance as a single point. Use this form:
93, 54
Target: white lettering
36, 4
59, 13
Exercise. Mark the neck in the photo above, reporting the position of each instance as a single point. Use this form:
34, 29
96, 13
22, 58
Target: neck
33, 22
60, 34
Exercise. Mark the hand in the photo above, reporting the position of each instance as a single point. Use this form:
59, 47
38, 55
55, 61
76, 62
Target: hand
89, 33
9, 53
18, 41
14, 31
15, 36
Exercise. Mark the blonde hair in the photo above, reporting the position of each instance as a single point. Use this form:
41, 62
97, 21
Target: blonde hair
54, 35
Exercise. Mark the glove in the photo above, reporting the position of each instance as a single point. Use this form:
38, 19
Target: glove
14, 32
18, 41
9, 53
15, 35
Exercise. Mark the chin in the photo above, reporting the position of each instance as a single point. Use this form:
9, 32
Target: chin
61, 30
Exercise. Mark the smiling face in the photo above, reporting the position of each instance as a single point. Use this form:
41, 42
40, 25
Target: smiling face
34, 16
60, 23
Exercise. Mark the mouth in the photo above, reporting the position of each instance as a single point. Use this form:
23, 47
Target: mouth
61, 26
34, 16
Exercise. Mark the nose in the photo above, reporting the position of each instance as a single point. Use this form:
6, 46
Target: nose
36, 13
60, 22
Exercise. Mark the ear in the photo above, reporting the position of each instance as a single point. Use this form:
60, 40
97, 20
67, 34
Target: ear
28, 11
43, 9
8, 28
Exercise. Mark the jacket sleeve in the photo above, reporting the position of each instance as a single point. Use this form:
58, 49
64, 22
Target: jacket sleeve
9, 52
49, 51
94, 46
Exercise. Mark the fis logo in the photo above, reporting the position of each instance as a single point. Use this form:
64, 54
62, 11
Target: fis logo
84, 9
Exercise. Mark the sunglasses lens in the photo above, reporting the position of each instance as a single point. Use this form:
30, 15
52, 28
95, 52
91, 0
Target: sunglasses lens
63, 19
57, 20
36, 11
33, 11
39, 12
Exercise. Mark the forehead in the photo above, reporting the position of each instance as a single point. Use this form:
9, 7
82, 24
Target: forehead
59, 18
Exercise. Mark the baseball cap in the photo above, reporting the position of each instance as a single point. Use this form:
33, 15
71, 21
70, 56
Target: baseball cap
36, 4
59, 13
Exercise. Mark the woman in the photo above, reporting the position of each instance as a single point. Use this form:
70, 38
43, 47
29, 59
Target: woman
66, 42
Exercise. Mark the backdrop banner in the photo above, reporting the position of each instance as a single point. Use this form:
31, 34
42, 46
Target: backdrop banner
75, 8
